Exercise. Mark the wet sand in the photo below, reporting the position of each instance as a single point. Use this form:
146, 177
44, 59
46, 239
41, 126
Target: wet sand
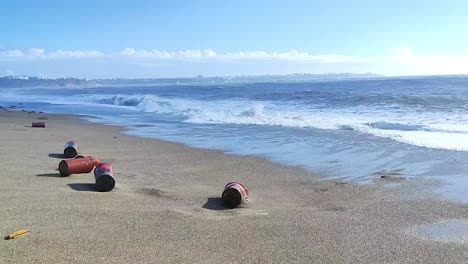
166, 206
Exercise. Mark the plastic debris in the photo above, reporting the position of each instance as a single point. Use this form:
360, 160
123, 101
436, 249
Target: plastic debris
16, 234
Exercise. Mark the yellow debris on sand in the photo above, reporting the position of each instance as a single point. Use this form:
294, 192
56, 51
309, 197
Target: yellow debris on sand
16, 234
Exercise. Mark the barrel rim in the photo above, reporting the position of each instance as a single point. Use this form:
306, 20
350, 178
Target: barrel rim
63, 168
105, 183
231, 197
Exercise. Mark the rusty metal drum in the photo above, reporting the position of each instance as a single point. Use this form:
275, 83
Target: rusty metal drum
234, 194
38, 124
71, 149
79, 165
104, 175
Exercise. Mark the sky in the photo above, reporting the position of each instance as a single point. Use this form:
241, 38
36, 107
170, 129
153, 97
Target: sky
139, 39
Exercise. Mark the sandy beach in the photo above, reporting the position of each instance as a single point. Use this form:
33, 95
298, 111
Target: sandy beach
166, 206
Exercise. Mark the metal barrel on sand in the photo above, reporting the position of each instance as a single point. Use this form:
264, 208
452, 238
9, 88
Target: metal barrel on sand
234, 194
104, 175
71, 149
78, 165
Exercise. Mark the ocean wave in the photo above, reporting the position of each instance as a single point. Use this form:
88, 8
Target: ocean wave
433, 130
409, 128
223, 111
397, 126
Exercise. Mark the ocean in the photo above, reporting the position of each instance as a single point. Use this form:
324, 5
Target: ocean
354, 130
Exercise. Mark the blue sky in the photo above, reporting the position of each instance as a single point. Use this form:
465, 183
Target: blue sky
186, 38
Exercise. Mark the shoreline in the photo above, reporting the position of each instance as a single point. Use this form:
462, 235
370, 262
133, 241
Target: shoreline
166, 208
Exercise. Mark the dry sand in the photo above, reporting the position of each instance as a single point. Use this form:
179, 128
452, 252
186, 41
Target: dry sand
166, 207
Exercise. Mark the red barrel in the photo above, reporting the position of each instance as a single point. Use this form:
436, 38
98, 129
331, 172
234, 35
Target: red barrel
71, 149
104, 175
234, 194
79, 165
38, 124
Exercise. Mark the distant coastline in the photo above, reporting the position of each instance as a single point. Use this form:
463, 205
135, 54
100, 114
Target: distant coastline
32, 81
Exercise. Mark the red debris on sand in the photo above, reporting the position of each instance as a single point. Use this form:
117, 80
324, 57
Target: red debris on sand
78, 165
38, 124
234, 194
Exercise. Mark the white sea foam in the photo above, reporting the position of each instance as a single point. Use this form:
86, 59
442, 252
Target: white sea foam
427, 130
433, 130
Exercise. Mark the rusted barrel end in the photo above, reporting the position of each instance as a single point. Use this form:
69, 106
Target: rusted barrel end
63, 168
104, 175
105, 183
71, 149
234, 194
231, 198
70, 152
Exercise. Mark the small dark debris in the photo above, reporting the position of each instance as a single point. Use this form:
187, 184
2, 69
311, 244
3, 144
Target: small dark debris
43, 117
392, 177
321, 189
396, 172
341, 183
337, 209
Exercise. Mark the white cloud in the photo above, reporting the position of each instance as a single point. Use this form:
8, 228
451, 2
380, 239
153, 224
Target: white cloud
156, 54
9, 72
128, 51
75, 54
36, 53
11, 53
397, 61
209, 54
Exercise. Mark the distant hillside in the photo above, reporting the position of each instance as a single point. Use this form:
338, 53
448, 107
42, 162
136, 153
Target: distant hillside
26, 81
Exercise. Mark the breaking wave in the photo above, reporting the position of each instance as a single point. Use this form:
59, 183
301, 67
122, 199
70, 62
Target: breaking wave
422, 128
411, 128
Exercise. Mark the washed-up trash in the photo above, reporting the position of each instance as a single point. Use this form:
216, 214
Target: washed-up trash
16, 234
71, 149
38, 124
234, 194
104, 175
78, 165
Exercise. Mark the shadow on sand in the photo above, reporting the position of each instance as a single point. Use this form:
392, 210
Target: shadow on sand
56, 155
49, 175
83, 187
214, 203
